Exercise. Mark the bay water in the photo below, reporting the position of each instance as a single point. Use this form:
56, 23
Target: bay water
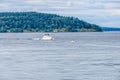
70, 56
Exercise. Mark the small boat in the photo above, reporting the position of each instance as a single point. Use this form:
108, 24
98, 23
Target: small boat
47, 37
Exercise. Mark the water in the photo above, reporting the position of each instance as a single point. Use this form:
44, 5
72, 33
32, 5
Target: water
70, 56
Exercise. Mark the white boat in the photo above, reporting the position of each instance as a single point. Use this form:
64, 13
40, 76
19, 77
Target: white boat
47, 37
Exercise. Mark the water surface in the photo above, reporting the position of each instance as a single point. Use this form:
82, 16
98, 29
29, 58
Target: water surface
70, 56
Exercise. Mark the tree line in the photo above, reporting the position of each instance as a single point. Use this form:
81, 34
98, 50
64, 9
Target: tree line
43, 22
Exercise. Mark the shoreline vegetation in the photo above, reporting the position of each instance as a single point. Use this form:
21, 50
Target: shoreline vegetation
11, 22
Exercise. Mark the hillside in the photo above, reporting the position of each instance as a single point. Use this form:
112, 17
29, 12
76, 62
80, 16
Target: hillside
41, 22
110, 29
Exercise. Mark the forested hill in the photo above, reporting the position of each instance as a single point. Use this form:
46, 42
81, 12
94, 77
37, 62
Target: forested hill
110, 29
41, 22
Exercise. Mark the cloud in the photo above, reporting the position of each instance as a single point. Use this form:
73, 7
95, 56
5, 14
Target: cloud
33, 2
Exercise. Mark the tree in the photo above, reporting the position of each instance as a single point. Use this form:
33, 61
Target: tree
41, 22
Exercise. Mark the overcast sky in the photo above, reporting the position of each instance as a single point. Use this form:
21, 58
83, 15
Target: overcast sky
101, 12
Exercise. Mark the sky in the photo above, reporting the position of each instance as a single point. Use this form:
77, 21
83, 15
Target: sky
104, 13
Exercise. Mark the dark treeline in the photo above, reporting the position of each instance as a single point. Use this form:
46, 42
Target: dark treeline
41, 22
110, 29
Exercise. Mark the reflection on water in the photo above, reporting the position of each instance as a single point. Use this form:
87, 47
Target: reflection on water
70, 56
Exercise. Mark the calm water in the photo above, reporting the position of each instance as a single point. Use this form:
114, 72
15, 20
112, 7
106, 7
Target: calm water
71, 56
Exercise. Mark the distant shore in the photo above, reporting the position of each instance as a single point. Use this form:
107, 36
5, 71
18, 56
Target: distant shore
41, 22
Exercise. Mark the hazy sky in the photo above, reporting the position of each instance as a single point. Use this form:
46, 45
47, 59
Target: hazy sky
101, 12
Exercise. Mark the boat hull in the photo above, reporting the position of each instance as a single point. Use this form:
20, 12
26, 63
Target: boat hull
46, 37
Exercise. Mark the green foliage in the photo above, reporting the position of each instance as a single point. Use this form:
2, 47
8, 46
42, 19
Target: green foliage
41, 22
